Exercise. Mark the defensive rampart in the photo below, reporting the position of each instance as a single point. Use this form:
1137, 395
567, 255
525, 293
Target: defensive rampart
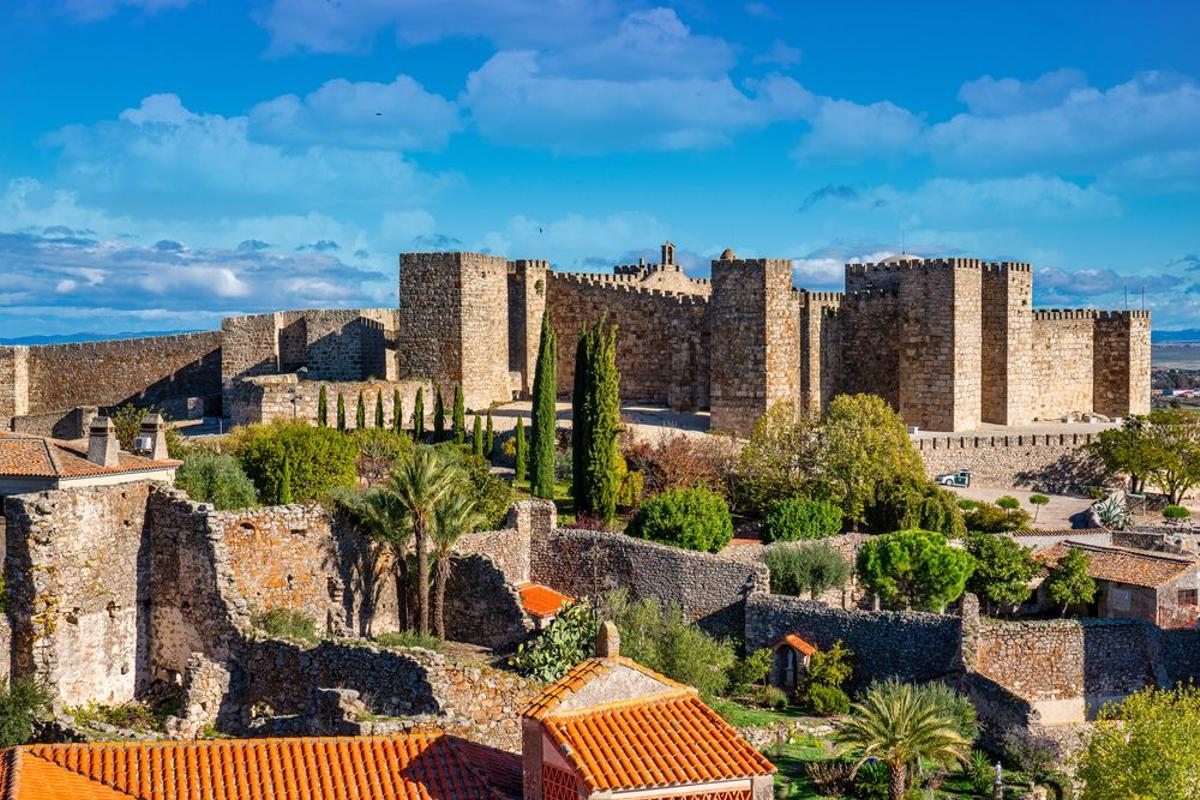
1048, 462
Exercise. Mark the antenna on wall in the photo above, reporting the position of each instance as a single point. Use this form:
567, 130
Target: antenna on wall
1127, 297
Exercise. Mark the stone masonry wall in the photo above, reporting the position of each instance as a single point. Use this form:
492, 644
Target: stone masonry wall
711, 590
14, 383
1048, 462
869, 347
77, 574
1122, 363
270, 397
1007, 319
527, 291
1062, 362
652, 326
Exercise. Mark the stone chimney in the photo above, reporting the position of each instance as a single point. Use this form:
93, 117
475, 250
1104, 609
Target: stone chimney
608, 640
155, 429
102, 443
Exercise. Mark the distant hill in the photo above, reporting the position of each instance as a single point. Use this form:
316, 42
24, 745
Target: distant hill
65, 338
1189, 335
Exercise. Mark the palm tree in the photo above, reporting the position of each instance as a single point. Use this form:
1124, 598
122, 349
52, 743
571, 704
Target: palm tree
454, 516
422, 477
899, 724
386, 522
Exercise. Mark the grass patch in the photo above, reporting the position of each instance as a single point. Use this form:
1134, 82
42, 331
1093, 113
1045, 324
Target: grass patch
792, 760
563, 502
284, 623
740, 715
409, 639
134, 716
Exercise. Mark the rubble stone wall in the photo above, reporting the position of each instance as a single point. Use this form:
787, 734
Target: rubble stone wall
1049, 462
270, 397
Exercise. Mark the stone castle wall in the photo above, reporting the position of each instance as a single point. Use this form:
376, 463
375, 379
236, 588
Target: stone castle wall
1062, 355
1049, 462
270, 397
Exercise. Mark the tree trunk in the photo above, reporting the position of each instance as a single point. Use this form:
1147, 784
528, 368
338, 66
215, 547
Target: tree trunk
897, 781
400, 568
422, 537
441, 574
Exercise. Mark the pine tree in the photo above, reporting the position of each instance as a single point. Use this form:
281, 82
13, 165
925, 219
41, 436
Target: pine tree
360, 413
459, 424
439, 416
521, 452
285, 483
397, 411
605, 418
489, 439
418, 418
581, 420
379, 410
545, 395
323, 408
341, 413
477, 438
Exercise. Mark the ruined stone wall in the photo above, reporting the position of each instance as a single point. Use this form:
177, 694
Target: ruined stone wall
71, 424
527, 290
148, 371
77, 577
1048, 462
661, 351
1121, 371
711, 590
508, 549
1063, 354
1007, 319
270, 397
911, 646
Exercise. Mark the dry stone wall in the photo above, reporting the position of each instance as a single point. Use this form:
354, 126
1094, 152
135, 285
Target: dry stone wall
270, 397
1048, 462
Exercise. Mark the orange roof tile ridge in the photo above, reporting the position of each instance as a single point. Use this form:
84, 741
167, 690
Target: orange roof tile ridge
657, 698
54, 464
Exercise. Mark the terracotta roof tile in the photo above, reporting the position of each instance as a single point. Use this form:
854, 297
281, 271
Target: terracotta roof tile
43, 457
644, 744
584, 673
796, 643
411, 767
1123, 565
1059, 532
541, 601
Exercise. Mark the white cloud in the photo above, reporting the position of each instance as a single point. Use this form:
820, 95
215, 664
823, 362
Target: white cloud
398, 115
991, 97
843, 130
574, 241
92, 10
780, 53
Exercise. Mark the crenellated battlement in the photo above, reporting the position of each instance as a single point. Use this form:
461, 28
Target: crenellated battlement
625, 285
1042, 314
898, 264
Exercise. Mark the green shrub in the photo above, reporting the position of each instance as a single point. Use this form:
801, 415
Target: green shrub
769, 697
378, 451
956, 707
1008, 502
569, 639
491, 494
127, 423
285, 623
750, 671
966, 504
696, 518
987, 518
981, 773
133, 715
1176, 512
829, 667
316, 460
217, 479
802, 518
811, 569
20, 704
409, 638
914, 569
827, 701
911, 504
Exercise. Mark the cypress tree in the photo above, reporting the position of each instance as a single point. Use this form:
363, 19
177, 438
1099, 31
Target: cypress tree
323, 408
545, 392
477, 438
379, 410
581, 420
341, 413
285, 483
439, 416
522, 453
459, 424
605, 419
360, 413
397, 411
489, 439
418, 419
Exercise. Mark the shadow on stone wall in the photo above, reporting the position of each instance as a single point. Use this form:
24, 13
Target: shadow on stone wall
482, 607
1071, 472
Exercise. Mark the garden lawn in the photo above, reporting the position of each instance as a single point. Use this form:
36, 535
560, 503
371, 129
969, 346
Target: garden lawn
743, 716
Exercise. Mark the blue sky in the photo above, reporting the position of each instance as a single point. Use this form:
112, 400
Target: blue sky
164, 163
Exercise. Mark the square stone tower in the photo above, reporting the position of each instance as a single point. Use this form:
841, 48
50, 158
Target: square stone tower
1121, 366
453, 323
755, 340
1007, 319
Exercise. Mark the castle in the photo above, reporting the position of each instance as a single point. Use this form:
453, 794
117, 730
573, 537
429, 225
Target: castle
950, 343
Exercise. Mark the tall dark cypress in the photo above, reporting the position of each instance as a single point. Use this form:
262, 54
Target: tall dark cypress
477, 438
341, 413
379, 410
323, 408
521, 451
489, 439
439, 416
605, 419
581, 422
545, 393
397, 411
360, 413
459, 424
419, 415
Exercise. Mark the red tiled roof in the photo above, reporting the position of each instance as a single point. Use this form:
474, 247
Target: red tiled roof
43, 457
642, 744
409, 767
541, 601
1122, 564
1059, 532
796, 643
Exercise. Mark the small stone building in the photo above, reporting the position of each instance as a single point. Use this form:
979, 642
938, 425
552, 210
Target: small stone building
789, 661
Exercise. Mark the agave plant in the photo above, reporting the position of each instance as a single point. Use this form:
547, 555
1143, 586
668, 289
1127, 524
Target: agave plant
1112, 512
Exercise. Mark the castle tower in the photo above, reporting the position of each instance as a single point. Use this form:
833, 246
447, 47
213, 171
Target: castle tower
453, 323
1121, 365
754, 340
1007, 331
527, 288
